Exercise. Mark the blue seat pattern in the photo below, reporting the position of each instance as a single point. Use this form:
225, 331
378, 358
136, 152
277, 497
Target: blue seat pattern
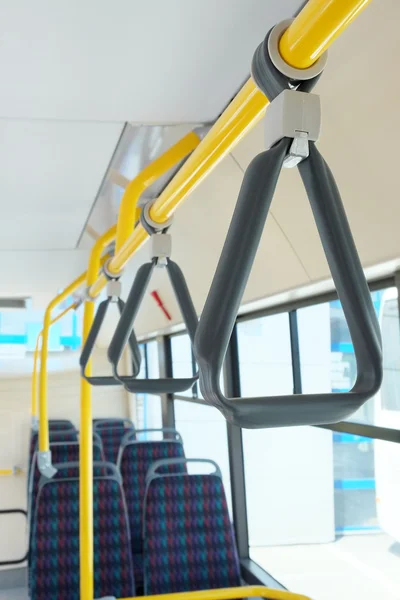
68, 435
136, 458
188, 537
60, 453
55, 542
111, 438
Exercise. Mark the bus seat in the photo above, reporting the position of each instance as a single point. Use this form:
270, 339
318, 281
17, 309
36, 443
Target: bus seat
55, 541
188, 538
135, 459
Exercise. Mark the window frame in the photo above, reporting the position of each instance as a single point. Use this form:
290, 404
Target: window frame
252, 573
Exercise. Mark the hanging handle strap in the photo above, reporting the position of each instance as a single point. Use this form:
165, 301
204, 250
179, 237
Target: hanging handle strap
87, 350
167, 385
224, 298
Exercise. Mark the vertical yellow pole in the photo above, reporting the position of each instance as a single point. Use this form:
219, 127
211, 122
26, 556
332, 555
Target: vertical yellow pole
43, 412
86, 475
86, 565
34, 403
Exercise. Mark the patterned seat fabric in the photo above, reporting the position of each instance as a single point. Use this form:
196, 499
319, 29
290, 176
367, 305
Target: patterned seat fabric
60, 453
60, 424
136, 458
111, 438
68, 435
111, 422
55, 542
188, 537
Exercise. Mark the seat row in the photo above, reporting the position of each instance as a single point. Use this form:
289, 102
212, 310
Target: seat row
157, 528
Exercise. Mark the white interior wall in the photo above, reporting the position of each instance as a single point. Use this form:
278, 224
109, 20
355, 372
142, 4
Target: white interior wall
15, 406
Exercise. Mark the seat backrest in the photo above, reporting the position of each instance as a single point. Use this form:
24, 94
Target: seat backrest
135, 459
54, 570
60, 424
65, 435
188, 537
61, 452
112, 422
111, 438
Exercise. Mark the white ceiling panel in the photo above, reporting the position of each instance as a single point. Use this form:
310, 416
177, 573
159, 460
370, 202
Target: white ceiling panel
40, 275
129, 60
50, 172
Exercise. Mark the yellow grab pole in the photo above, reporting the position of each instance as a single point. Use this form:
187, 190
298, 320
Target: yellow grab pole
127, 212
250, 591
34, 403
86, 435
43, 413
315, 28
43, 418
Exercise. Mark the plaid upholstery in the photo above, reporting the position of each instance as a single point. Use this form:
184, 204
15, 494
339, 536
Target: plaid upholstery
111, 438
188, 538
136, 458
55, 542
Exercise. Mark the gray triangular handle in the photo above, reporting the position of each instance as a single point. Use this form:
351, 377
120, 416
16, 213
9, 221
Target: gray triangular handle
224, 298
87, 350
167, 385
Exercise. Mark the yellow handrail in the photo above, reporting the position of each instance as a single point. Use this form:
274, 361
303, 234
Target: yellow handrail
315, 28
250, 591
8, 472
43, 413
127, 211
34, 403
86, 433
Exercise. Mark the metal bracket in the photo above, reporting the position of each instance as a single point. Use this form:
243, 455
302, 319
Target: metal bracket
160, 249
114, 289
295, 115
298, 151
35, 423
44, 464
